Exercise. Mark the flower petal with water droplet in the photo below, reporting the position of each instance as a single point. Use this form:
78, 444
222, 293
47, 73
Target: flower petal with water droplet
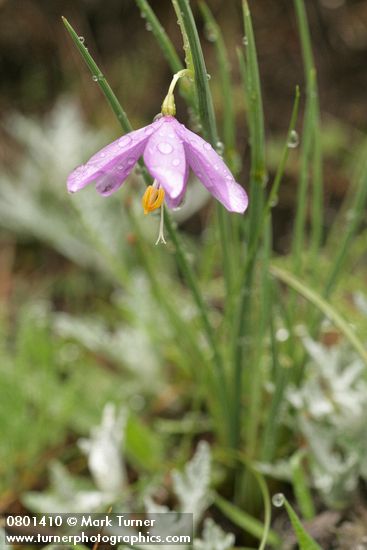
110, 167
212, 171
165, 159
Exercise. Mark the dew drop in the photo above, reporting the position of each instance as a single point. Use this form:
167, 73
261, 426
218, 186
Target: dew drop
148, 131
130, 161
199, 174
293, 141
95, 78
81, 39
103, 155
208, 76
165, 148
219, 146
210, 33
124, 141
216, 167
274, 202
176, 162
143, 15
278, 500
207, 146
148, 27
245, 41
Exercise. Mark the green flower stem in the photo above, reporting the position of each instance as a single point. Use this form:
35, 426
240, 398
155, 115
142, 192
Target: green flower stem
181, 258
206, 111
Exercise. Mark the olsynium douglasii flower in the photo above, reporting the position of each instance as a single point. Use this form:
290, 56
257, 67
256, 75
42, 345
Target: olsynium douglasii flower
169, 149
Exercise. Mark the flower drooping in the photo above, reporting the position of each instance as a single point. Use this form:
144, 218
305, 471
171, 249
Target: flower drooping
169, 150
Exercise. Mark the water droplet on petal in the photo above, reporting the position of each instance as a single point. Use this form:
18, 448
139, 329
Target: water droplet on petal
103, 155
176, 162
293, 141
199, 174
216, 166
207, 146
148, 130
278, 500
124, 141
130, 161
165, 148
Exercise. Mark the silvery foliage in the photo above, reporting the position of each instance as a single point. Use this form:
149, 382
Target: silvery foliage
67, 494
214, 538
33, 198
192, 490
192, 485
104, 450
127, 345
331, 414
3, 545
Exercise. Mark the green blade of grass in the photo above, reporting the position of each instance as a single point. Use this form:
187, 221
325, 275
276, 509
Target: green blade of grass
311, 149
246, 522
229, 126
300, 486
100, 78
160, 35
323, 306
305, 541
167, 48
250, 72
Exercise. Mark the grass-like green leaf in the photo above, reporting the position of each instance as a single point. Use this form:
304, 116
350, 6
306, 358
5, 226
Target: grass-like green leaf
305, 541
323, 306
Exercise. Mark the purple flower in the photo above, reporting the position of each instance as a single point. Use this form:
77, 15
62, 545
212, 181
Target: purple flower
169, 150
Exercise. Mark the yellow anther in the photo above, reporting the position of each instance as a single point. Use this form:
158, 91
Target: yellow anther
152, 198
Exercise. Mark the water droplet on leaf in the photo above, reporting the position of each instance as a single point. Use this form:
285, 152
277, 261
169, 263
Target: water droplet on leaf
95, 78
219, 148
208, 76
278, 500
81, 39
293, 141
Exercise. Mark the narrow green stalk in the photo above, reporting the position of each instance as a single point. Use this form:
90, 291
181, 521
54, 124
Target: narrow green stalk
207, 117
224, 72
281, 376
191, 281
255, 382
312, 155
100, 78
167, 48
181, 258
160, 35
250, 73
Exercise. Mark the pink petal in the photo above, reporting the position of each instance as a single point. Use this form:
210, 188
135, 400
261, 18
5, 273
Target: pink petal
110, 167
165, 159
212, 171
